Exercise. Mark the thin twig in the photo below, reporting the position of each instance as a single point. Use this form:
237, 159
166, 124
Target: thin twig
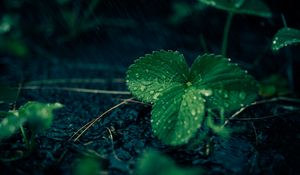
272, 100
75, 80
17, 96
112, 144
83, 129
80, 90
265, 117
134, 101
255, 133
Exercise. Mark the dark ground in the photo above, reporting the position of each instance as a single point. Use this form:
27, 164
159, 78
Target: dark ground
262, 146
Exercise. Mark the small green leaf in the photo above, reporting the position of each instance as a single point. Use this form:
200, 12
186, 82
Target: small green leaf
9, 125
177, 115
153, 73
284, 37
153, 162
249, 7
38, 115
229, 86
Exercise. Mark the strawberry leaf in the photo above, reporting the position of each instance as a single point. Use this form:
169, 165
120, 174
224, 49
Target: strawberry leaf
180, 95
285, 37
177, 115
227, 85
156, 72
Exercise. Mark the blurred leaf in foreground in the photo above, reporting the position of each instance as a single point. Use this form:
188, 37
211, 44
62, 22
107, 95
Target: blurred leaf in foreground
87, 166
154, 163
274, 85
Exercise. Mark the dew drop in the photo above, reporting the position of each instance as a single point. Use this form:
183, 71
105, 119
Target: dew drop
225, 95
143, 88
189, 84
242, 95
156, 96
206, 92
226, 105
193, 112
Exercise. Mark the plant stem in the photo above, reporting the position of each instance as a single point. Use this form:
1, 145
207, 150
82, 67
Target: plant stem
25, 138
226, 33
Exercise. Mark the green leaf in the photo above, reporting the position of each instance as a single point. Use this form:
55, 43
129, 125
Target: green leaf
178, 114
249, 7
285, 37
180, 95
152, 74
153, 162
38, 115
9, 125
227, 85
87, 166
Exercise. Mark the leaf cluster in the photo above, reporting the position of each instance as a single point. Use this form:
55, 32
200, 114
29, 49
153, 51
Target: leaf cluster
180, 95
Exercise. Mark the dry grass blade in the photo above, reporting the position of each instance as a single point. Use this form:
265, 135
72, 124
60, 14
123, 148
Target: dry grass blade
272, 100
84, 128
80, 90
75, 81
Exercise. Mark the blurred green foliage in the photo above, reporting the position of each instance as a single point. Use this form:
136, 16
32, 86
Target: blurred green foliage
29, 27
182, 10
38, 116
11, 41
154, 163
274, 85
87, 166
